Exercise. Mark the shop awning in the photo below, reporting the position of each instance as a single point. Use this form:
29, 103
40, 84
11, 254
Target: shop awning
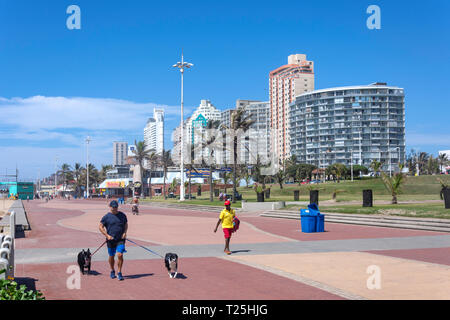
115, 183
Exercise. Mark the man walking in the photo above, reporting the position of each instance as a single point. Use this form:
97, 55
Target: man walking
226, 217
114, 226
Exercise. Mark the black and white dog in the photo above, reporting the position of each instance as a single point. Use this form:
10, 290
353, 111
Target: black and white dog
84, 260
171, 261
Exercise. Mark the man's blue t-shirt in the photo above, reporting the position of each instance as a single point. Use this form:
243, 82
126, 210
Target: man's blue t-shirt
115, 224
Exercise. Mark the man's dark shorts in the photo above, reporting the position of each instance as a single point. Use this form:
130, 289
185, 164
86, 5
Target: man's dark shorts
115, 246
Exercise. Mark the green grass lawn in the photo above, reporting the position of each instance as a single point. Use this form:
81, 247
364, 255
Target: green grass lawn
415, 189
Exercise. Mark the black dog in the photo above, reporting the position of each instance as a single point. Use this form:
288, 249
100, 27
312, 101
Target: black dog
84, 260
171, 261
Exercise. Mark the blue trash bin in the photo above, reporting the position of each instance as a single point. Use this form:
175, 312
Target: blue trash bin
320, 226
308, 221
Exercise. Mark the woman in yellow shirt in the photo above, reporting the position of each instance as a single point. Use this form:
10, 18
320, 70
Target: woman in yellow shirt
226, 217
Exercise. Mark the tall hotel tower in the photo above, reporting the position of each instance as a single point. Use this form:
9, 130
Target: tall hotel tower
285, 83
154, 131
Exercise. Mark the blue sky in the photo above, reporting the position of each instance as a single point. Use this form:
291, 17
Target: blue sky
59, 85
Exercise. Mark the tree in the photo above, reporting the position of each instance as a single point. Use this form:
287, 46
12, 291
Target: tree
375, 166
77, 173
66, 174
153, 159
166, 162
240, 122
212, 144
279, 177
103, 171
442, 160
394, 184
140, 153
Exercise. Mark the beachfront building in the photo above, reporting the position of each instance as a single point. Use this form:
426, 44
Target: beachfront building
120, 153
285, 83
154, 132
194, 133
356, 124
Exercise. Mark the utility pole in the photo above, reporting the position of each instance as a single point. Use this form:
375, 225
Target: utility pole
88, 139
182, 65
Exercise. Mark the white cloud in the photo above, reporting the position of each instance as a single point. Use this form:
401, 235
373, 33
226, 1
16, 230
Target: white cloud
50, 126
78, 113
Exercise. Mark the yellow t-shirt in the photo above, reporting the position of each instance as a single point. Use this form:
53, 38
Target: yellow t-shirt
227, 218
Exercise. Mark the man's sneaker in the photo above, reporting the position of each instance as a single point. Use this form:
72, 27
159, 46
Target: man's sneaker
119, 276
227, 252
112, 275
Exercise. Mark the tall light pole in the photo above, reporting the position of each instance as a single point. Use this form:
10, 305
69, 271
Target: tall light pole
88, 139
182, 65
56, 173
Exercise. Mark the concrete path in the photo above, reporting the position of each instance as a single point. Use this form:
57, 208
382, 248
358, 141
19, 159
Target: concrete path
271, 259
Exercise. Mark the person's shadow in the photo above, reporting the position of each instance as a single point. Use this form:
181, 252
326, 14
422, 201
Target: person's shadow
137, 276
238, 251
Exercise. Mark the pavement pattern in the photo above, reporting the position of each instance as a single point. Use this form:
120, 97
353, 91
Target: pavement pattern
271, 258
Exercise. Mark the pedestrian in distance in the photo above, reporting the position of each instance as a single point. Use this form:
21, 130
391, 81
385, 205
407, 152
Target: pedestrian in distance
226, 218
114, 226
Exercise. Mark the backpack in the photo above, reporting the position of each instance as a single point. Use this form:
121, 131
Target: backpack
236, 223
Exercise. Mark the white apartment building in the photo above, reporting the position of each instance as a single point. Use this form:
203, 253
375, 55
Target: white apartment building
154, 131
285, 83
194, 132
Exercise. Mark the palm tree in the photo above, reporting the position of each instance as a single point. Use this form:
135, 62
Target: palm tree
66, 173
77, 172
422, 160
394, 184
153, 160
166, 161
212, 144
105, 168
140, 154
279, 176
240, 123
375, 166
442, 160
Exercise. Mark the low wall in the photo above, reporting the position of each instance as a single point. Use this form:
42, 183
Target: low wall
262, 206
7, 248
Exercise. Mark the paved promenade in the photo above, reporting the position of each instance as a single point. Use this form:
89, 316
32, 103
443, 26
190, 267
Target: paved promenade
271, 260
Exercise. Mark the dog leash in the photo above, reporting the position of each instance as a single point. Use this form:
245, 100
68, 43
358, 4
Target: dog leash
98, 248
146, 248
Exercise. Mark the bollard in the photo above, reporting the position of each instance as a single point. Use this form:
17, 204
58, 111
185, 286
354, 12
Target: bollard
367, 198
314, 197
260, 197
447, 198
296, 195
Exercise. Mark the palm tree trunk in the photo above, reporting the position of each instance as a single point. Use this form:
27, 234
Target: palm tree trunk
394, 199
164, 184
210, 185
190, 195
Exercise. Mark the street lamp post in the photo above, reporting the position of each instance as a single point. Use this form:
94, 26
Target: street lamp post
182, 65
56, 173
88, 139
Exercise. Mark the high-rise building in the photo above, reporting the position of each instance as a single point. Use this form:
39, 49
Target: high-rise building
120, 153
194, 132
349, 125
154, 131
285, 83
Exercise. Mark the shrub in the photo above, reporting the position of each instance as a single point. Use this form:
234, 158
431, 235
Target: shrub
10, 291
